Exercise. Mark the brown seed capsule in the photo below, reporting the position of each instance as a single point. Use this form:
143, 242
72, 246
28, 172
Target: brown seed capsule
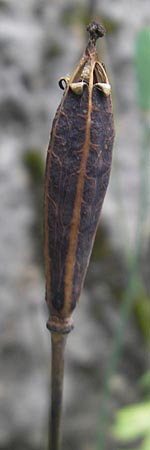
77, 174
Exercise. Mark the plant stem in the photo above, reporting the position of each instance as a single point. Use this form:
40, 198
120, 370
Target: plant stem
57, 374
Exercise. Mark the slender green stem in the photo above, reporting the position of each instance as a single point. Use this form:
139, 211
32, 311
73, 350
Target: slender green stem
57, 374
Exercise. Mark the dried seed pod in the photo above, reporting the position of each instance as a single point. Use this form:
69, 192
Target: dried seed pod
77, 174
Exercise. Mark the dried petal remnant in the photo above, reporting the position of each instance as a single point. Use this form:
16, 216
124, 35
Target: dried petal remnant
77, 175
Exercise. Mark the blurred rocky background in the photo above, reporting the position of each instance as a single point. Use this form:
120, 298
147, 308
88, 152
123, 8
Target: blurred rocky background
107, 353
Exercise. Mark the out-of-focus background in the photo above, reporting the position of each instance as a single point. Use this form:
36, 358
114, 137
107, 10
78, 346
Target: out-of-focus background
107, 378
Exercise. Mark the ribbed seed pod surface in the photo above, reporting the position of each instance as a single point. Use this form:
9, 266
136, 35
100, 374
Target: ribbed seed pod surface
77, 174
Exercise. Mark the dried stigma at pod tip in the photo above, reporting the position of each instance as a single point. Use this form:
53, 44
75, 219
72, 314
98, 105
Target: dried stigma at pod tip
96, 30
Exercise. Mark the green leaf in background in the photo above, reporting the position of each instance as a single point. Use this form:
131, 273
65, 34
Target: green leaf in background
142, 312
144, 382
146, 443
142, 65
132, 422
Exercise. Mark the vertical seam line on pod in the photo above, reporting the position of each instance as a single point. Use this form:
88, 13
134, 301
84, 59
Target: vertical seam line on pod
70, 261
52, 142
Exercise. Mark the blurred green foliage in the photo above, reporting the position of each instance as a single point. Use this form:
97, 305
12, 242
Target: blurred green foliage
133, 422
53, 51
73, 15
82, 15
142, 312
142, 65
34, 163
144, 382
102, 248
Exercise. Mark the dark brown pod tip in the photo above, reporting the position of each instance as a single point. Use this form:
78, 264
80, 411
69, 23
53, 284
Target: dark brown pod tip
95, 30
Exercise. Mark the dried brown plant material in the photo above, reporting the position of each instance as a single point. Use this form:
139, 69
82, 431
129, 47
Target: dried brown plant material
77, 175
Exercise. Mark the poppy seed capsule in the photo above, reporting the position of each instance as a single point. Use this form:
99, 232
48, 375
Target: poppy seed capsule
77, 174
